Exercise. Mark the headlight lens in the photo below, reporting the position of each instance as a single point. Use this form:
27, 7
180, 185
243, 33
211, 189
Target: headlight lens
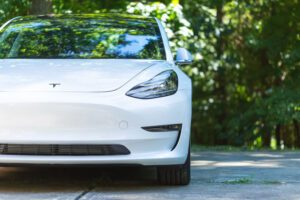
164, 84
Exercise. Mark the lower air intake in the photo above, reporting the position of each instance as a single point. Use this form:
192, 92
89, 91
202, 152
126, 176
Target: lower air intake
62, 150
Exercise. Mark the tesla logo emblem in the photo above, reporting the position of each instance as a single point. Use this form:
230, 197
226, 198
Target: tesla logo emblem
54, 84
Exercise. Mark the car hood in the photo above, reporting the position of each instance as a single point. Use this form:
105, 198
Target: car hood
77, 75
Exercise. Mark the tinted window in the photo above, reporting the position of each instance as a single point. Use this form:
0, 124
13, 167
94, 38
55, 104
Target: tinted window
58, 37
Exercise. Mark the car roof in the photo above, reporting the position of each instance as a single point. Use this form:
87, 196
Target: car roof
102, 16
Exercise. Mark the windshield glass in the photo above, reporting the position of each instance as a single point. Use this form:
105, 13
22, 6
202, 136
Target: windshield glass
73, 37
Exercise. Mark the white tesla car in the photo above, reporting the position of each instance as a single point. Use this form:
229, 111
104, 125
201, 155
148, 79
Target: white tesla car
94, 90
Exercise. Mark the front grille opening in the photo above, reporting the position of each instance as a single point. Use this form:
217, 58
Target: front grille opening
63, 150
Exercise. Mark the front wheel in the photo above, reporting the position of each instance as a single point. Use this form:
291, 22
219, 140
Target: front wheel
175, 174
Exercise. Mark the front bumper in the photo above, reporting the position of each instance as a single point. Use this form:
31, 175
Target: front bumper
95, 118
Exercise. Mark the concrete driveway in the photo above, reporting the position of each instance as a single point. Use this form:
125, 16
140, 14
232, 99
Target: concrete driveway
215, 175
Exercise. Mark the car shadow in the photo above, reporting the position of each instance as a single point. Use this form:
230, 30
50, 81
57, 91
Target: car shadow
68, 179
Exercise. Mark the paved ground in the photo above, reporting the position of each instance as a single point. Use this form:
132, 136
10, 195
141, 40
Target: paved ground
214, 176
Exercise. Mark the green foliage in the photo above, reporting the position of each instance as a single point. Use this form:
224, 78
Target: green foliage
176, 26
87, 6
13, 8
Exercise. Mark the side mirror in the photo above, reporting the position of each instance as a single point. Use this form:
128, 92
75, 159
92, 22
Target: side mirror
183, 57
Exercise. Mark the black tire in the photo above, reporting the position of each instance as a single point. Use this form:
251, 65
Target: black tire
175, 174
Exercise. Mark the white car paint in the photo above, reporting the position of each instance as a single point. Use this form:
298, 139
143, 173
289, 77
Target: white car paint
90, 107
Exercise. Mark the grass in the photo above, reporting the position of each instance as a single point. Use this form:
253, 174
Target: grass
272, 182
246, 180
239, 181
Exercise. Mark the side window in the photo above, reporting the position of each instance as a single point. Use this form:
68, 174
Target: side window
160, 42
7, 40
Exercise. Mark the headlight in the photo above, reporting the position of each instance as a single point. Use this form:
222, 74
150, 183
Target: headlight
164, 84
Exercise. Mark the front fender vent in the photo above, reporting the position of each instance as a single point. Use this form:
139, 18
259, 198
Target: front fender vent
163, 128
166, 128
63, 150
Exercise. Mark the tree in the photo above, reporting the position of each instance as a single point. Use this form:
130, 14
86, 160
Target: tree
41, 7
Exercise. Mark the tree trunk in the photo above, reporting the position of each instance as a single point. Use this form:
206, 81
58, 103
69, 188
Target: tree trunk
266, 136
278, 136
287, 136
297, 133
220, 90
41, 7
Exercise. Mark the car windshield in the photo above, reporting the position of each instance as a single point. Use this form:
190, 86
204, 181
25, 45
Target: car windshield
74, 37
